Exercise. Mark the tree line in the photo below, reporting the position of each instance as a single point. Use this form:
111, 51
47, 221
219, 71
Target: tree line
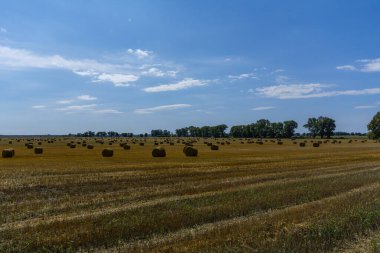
263, 128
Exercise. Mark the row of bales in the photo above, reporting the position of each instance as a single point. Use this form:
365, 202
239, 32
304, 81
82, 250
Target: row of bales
158, 150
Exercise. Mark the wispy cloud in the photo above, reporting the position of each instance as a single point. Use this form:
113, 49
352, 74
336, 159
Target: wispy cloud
365, 107
38, 106
263, 108
313, 90
128, 70
364, 65
3, 30
120, 80
76, 108
347, 67
181, 85
159, 73
108, 111
242, 76
161, 108
86, 97
67, 101
139, 53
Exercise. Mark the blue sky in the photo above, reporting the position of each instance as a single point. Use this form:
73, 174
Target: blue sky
132, 66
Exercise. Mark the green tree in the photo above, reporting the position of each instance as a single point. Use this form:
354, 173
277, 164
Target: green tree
374, 126
289, 128
313, 126
327, 126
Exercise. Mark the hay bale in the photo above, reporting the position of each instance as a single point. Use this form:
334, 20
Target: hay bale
259, 142
302, 144
107, 152
158, 152
126, 147
72, 145
90, 146
214, 147
30, 145
190, 151
38, 150
8, 153
280, 143
142, 143
316, 144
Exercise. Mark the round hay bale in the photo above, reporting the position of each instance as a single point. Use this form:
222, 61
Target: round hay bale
158, 152
302, 144
214, 147
40, 143
38, 150
30, 145
280, 143
142, 143
90, 146
190, 151
8, 153
171, 143
260, 142
316, 144
107, 152
72, 145
126, 147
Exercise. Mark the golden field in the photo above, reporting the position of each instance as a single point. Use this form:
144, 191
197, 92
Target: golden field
244, 197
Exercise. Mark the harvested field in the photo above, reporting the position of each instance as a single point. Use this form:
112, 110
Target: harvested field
243, 197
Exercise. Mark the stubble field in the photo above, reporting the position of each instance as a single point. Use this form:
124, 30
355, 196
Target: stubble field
244, 197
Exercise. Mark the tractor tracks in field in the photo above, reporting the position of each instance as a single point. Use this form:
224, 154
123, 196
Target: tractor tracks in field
141, 204
191, 233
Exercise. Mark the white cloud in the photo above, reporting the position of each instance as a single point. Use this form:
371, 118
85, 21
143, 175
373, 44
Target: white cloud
120, 80
107, 111
63, 102
181, 85
86, 97
347, 67
316, 90
140, 54
159, 73
371, 65
161, 108
38, 106
263, 108
242, 76
365, 65
119, 75
76, 108
365, 107
3, 30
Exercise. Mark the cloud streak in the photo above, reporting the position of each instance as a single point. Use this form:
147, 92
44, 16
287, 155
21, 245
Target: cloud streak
263, 108
181, 85
363, 65
121, 74
161, 108
313, 90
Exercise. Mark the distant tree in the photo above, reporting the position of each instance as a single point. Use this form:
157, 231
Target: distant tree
313, 127
374, 126
327, 126
289, 128
263, 128
322, 126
